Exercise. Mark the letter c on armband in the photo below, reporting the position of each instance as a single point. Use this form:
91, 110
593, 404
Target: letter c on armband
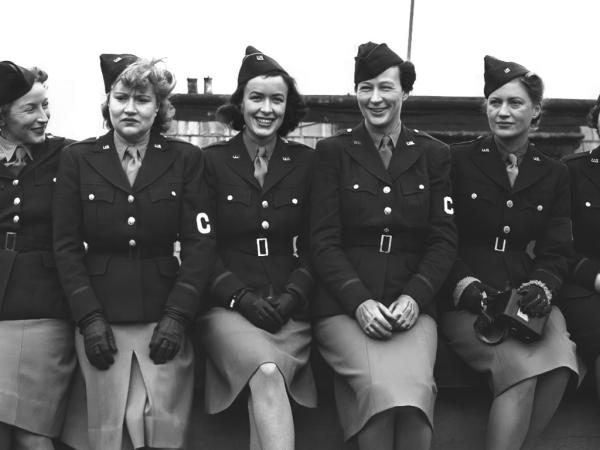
203, 223
448, 205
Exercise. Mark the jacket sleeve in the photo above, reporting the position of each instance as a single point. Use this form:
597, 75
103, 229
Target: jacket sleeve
554, 239
196, 237
440, 245
329, 258
68, 237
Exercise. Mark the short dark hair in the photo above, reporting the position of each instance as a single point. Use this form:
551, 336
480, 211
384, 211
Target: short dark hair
295, 108
407, 74
140, 74
592, 117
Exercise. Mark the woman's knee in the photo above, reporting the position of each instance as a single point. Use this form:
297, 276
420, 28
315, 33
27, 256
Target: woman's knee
266, 378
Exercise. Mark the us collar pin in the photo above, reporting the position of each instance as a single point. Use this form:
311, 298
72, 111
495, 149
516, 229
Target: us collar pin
536, 158
158, 146
357, 143
105, 147
286, 158
485, 150
410, 142
236, 156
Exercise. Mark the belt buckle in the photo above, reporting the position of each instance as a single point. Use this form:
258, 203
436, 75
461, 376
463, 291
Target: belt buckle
385, 243
497, 246
262, 247
10, 240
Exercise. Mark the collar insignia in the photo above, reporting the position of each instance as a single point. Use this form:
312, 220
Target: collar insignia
105, 147
236, 156
410, 142
357, 143
536, 158
485, 150
158, 146
595, 160
286, 158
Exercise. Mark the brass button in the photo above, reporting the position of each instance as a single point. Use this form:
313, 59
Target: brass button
387, 210
173, 194
421, 187
229, 197
15, 182
386, 230
16, 219
131, 221
540, 208
91, 196
130, 198
506, 229
588, 204
473, 195
294, 201
265, 204
132, 243
54, 180
387, 189
356, 186
509, 203
17, 201
265, 225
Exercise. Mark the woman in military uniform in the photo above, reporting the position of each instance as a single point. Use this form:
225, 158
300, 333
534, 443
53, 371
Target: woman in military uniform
36, 336
580, 297
121, 202
512, 215
383, 241
257, 335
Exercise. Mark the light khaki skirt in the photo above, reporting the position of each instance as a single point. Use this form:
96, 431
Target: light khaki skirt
512, 361
37, 361
372, 376
135, 403
236, 348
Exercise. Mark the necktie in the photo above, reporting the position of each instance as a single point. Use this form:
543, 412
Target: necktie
511, 168
261, 165
385, 150
18, 161
131, 163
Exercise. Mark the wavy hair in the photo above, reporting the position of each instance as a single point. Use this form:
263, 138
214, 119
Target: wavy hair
139, 75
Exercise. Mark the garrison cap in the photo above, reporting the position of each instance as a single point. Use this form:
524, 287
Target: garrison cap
256, 63
497, 73
15, 82
372, 59
112, 65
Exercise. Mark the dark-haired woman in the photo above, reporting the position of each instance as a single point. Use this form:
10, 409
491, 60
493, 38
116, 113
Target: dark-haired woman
580, 297
129, 196
257, 334
512, 213
383, 241
36, 337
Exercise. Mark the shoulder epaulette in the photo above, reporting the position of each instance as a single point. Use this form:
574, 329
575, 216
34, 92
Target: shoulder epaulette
469, 142
419, 133
344, 132
220, 143
574, 156
176, 139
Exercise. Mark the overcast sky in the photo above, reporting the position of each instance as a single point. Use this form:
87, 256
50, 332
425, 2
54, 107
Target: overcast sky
314, 40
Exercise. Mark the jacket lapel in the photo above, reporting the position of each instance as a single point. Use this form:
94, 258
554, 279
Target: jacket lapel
104, 160
486, 157
363, 151
281, 163
406, 153
591, 168
239, 161
157, 161
532, 168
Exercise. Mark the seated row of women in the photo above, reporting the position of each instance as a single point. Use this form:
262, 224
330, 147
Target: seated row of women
363, 244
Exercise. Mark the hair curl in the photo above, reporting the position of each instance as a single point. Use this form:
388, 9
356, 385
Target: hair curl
139, 75
592, 117
407, 73
295, 109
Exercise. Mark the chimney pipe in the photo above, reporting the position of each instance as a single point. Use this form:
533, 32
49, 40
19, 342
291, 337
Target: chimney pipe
192, 85
207, 85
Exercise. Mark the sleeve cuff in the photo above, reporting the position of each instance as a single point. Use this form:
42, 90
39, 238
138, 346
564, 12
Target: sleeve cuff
83, 301
352, 294
460, 288
224, 286
420, 289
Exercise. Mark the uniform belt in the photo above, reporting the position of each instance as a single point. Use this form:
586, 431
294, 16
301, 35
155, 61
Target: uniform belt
262, 246
17, 242
133, 252
498, 244
385, 242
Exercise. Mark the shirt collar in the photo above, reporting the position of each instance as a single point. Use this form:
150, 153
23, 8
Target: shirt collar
520, 153
377, 136
252, 146
8, 148
121, 145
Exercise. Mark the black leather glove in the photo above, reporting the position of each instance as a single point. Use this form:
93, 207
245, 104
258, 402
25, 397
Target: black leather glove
168, 336
472, 297
98, 340
260, 312
534, 301
286, 304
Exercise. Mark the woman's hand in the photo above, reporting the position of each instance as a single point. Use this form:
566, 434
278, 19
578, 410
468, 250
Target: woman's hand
373, 318
405, 312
